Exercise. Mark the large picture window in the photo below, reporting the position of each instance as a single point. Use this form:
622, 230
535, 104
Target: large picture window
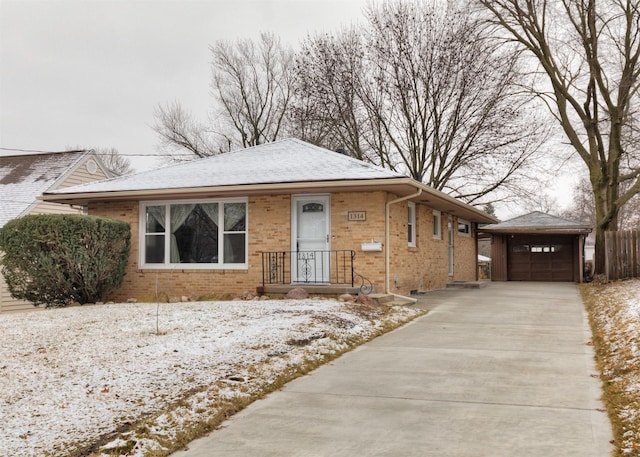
194, 234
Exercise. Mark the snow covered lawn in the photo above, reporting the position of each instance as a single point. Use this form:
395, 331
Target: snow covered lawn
129, 379
615, 312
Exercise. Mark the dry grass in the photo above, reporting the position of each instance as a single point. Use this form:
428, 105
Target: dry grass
227, 397
615, 321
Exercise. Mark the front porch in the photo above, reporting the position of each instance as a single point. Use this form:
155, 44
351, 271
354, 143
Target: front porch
325, 273
312, 289
318, 272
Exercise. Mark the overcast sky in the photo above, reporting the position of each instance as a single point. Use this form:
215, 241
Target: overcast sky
91, 72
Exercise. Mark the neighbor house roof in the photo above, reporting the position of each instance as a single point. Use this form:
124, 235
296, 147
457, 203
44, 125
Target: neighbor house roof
283, 166
537, 222
24, 177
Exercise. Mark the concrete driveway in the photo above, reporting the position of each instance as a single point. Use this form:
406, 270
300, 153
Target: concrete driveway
500, 371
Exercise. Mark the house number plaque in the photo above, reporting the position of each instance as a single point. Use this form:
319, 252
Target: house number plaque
357, 215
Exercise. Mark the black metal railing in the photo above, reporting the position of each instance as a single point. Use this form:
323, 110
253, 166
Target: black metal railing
308, 267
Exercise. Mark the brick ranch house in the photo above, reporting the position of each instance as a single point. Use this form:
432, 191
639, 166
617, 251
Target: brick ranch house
283, 214
24, 177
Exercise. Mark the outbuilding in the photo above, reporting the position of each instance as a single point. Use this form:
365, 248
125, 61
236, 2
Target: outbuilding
537, 247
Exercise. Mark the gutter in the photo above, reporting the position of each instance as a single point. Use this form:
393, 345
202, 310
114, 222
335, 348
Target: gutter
387, 253
79, 192
82, 193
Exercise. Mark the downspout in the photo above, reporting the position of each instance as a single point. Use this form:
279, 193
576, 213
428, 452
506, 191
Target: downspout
387, 252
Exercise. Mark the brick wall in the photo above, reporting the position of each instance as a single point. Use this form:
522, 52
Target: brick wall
466, 255
269, 227
425, 266
347, 234
422, 267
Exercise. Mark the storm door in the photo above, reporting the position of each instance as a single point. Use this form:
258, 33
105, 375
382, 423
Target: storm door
310, 250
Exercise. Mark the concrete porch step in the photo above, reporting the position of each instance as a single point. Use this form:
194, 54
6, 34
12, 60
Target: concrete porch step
312, 289
335, 290
467, 284
392, 300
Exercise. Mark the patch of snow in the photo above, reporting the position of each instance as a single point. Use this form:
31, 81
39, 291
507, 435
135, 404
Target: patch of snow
69, 377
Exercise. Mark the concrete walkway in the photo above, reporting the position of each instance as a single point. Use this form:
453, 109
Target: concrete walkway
500, 371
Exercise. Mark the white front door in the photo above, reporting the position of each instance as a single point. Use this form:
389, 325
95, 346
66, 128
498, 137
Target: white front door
311, 223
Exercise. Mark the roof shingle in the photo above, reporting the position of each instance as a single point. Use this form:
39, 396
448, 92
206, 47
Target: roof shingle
284, 161
536, 220
24, 177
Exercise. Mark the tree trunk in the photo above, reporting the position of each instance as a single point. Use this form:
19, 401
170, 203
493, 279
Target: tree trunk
599, 257
606, 196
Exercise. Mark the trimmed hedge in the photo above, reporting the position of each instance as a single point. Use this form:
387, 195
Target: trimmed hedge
57, 259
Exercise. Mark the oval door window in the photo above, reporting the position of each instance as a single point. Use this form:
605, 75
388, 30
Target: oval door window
312, 208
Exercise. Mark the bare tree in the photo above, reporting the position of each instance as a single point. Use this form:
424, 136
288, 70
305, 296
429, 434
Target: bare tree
581, 208
421, 91
629, 216
253, 85
114, 161
587, 53
418, 90
179, 133
326, 109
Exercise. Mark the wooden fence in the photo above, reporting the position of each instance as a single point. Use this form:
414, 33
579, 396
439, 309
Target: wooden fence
622, 250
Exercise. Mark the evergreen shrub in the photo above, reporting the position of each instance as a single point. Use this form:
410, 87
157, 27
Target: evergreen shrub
57, 259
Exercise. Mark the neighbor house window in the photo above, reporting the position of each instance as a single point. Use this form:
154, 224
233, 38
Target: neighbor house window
464, 227
437, 225
411, 224
194, 234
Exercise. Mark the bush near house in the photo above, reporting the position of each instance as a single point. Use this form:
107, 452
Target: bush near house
56, 259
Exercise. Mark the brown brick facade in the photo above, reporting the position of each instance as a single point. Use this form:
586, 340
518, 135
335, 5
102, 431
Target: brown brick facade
422, 267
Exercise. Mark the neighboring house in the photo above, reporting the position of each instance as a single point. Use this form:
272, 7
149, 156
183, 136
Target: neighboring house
537, 247
283, 214
24, 177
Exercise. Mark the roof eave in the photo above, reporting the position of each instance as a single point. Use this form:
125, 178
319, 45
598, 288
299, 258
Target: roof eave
401, 186
214, 191
446, 203
538, 230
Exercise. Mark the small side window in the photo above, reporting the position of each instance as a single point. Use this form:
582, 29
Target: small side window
411, 225
437, 225
464, 227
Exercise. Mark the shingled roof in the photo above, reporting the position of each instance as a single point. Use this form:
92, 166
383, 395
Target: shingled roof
283, 161
536, 222
24, 177
286, 166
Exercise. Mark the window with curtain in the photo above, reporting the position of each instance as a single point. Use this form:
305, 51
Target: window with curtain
207, 234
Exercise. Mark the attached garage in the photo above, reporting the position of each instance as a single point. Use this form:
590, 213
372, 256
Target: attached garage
537, 247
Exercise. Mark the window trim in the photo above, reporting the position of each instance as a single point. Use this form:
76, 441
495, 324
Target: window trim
142, 232
437, 234
411, 224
